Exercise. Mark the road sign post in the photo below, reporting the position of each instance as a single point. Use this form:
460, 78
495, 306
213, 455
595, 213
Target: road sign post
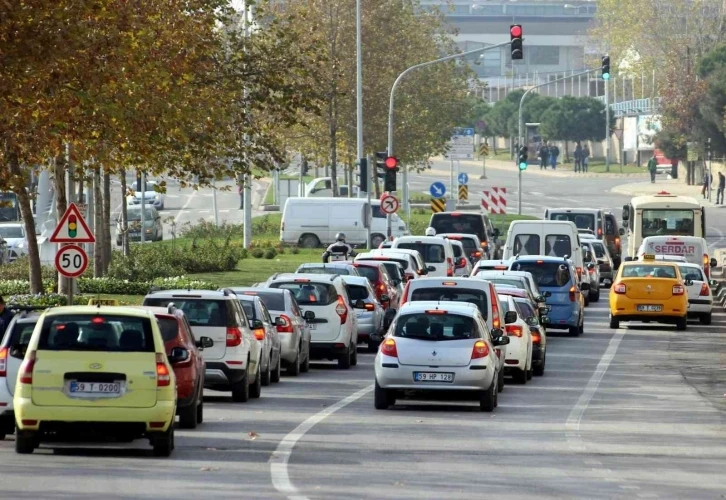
71, 260
483, 153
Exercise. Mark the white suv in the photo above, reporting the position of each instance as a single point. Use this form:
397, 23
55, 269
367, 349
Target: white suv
233, 362
329, 313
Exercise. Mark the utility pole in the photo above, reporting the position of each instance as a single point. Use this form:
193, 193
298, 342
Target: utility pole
359, 103
607, 126
247, 177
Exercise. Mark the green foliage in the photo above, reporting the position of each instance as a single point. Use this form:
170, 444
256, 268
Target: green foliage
19, 269
20, 286
47, 300
295, 250
258, 253
574, 119
270, 253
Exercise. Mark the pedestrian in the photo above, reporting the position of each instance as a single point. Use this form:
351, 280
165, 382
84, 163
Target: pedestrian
721, 186
5, 316
706, 180
585, 157
652, 168
544, 154
554, 153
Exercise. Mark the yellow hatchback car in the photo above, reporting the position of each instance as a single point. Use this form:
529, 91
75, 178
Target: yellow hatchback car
649, 290
96, 371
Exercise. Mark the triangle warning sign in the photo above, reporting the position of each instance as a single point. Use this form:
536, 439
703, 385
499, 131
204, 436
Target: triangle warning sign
72, 228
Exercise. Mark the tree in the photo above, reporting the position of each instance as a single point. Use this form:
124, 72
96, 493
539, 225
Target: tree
574, 119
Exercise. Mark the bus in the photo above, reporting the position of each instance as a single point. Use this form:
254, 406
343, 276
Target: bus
662, 214
9, 208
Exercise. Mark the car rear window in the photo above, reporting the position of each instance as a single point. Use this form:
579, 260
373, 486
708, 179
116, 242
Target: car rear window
403, 262
435, 327
199, 312
273, 301
431, 252
102, 332
20, 337
458, 252
545, 273
357, 292
508, 282
372, 273
338, 271
526, 308
691, 273
310, 294
394, 271
504, 302
582, 221
526, 244
599, 250
473, 296
169, 328
459, 223
469, 245
249, 308
649, 271
558, 245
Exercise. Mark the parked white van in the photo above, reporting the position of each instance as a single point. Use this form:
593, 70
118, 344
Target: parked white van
437, 253
313, 222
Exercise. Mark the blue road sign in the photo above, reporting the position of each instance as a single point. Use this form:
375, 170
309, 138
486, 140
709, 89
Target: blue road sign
464, 131
463, 179
437, 190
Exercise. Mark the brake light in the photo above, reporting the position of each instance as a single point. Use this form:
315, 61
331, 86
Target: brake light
381, 258
342, 310
97, 320
480, 350
370, 307
388, 348
234, 336
513, 330
619, 288
381, 287
259, 333
617, 243
4, 362
453, 237
462, 262
26, 369
496, 321
163, 378
678, 290
484, 244
599, 231
500, 268
302, 280
477, 254
704, 291
436, 312
286, 326
579, 272
449, 267
448, 283
536, 338
540, 262
573, 293
706, 265
404, 299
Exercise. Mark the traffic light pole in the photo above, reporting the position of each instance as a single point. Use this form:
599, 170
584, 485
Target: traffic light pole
406, 206
520, 125
359, 98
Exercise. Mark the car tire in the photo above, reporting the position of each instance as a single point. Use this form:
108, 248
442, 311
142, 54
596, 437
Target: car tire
596, 296
587, 300
256, 387
614, 322
380, 397
530, 373
354, 356
681, 324
275, 376
344, 359
188, 417
267, 374
306, 365
241, 389
519, 376
705, 319
200, 411
500, 381
581, 329
376, 240
309, 241
539, 369
574, 331
488, 398
293, 368
163, 443
25, 442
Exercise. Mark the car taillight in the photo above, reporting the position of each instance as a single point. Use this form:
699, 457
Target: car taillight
342, 310
449, 266
477, 254
382, 288
573, 293
404, 298
259, 333
4, 362
536, 337
480, 350
163, 378
496, 321
462, 262
286, 326
706, 265
678, 290
234, 336
579, 273
513, 330
26, 369
704, 291
599, 231
388, 348
617, 243
619, 288
370, 307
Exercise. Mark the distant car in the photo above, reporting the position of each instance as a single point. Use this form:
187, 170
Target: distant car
152, 196
410, 266
370, 319
471, 243
700, 297
342, 268
476, 223
14, 235
604, 261
537, 330
419, 266
518, 362
593, 271
490, 265
265, 331
462, 265
154, 230
377, 273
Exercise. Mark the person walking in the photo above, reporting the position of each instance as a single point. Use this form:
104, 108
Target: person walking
554, 153
721, 186
578, 157
544, 154
652, 168
585, 157
704, 189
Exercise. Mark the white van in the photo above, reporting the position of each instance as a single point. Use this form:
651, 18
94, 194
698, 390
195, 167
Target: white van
437, 253
323, 187
693, 248
546, 237
314, 222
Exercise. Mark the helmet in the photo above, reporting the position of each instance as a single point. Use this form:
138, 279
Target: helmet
430, 231
340, 237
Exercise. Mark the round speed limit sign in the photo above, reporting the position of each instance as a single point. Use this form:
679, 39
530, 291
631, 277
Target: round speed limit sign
71, 261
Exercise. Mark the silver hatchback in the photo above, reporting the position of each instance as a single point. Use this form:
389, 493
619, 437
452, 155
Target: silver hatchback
370, 319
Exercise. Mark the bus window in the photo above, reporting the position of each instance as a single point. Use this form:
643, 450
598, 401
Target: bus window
656, 222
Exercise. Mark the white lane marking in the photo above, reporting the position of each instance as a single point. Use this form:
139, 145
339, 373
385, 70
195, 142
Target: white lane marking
713, 245
281, 456
184, 207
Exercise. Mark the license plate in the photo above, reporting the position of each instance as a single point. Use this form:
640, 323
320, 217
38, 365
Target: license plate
313, 326
95, 387
649, 308
433, 377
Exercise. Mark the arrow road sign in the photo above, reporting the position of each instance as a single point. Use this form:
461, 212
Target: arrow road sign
72, 228
437, 189
389, 204
71, 261
463, 179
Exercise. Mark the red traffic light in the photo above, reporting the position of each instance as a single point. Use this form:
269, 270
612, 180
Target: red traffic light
515, 31
391, 162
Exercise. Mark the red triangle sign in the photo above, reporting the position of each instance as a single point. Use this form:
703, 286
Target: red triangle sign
72, 228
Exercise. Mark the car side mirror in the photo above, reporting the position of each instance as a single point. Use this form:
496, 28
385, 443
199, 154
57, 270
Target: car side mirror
714, 262
359, 304
510, 317
543, 310
545, 320
309, 315
430, 268
548, 294
713, 282
256, 323
497, 332
204, 343
501, 340
178, 355
279, 321
532, 321
621, 231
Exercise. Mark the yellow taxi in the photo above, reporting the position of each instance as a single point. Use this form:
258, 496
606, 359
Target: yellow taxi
649, 290
96, 371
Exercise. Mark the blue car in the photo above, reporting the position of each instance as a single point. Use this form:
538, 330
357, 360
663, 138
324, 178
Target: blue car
558, 277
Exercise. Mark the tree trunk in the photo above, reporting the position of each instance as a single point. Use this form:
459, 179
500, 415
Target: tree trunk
332, 112
81, 184
333, 102
106, 223
124, 216
61, 205
567, 152
35, 274
98, 224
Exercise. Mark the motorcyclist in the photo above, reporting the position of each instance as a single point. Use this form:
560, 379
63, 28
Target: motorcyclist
430, 231
339, 250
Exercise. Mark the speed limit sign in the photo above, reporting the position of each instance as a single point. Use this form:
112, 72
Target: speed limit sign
71, 261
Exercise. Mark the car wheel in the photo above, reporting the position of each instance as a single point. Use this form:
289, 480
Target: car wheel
200, 411
705, 319
275, 377
488, 398
574, 331
345, 359
376, 240
681, 324
540, 367
188, 417
309, 241
614, 323
294, 367
595, 296
25, 442
500, 381
306, 365
354, 356
520, 376
380, 397
163, 443
587, 299
256, 387
581, 330
266, 375
241, 389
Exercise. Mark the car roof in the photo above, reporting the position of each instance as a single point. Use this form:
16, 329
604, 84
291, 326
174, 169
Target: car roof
250, 290
368, 263
423, 282
132, 311
324, 265
408, 251
421, 239
545, 258
164, 311
315, 278
496, 273
193, 294
459, 235
394, 253
462, 308
651, 262
514, 292
356, 280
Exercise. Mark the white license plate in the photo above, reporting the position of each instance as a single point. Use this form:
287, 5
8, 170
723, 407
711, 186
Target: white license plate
649, 308
95, 387
433, 377
313, 326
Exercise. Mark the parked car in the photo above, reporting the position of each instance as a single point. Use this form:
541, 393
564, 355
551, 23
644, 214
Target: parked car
14, 235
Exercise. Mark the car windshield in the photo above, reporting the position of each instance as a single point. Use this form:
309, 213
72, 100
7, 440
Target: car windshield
169, 328
11, 232
338, 271
582, 221
444, 294
545, 273
693, 273
310, 294
431, 252
649, 271
96, 332
273, 301
358, 292
435, 327
372, 273
458, 223
134, 214
199, 312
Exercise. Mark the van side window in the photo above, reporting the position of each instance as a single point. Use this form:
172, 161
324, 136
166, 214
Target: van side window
558, 245
526, 244
609, 226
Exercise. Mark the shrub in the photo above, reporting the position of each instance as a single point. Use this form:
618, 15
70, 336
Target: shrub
295, 250
21, 286
113, 286
181, 282
270, 253
46, 300
20, 270
257, 253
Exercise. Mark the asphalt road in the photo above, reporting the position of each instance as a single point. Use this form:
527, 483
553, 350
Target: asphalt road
613, 417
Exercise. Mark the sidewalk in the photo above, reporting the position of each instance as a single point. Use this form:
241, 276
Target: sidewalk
673, 186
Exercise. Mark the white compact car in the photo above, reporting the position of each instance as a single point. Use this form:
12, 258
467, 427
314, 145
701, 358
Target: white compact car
329, 313
518, 363
700, 297
435, 347
14, 235
438, 254
490, 265
462, 265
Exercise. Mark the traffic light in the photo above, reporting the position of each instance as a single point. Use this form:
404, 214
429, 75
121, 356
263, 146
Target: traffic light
606, 67
364, 175
515, 35
708, 148
72, 226
391, 166
522, 158
381, 164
